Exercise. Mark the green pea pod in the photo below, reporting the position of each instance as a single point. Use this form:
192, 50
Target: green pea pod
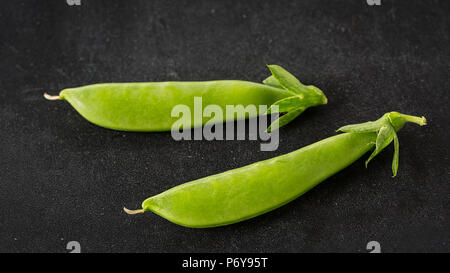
246, 192
147, 107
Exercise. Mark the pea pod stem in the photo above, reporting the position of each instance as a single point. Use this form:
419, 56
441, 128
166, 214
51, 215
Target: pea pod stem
417, 120
240, 194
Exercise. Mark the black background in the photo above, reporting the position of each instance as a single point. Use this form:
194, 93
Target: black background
63, 179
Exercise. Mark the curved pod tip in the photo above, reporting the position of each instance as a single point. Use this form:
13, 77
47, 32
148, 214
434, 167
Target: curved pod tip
132, 212
49, 97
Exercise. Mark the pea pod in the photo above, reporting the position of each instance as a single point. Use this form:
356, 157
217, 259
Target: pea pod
246, 192
147, 107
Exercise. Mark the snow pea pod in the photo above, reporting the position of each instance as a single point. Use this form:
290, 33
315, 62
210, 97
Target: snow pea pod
147, 107
246, 192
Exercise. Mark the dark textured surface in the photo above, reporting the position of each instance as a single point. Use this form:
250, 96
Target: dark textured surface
64, 179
